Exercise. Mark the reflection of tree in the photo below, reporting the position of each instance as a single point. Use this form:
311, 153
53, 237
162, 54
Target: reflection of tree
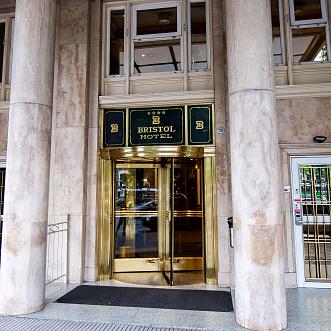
324, 53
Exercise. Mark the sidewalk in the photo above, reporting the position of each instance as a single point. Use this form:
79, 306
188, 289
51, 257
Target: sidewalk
308, 309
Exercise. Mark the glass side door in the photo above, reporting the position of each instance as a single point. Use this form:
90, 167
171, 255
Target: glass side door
137, 211
188, 219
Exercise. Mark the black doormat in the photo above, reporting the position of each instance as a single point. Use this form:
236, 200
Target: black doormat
203, 300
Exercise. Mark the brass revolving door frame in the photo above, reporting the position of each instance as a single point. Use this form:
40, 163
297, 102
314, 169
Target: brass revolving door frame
105, 229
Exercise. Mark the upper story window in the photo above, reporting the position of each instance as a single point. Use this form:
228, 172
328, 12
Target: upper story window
277, 32
198, 32
308, 11
309, 31
157, 38
115, 32
156, 21
2, 188
6, 43
308, 39
2, 46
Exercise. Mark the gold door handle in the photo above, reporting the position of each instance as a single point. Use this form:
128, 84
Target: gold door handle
165, 215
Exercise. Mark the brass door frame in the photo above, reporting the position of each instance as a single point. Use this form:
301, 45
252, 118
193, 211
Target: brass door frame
105, 203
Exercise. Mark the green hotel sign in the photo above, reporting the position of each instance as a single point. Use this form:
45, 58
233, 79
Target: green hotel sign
177, 125
156, 126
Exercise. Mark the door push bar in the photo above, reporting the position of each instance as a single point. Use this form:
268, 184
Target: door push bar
230, 223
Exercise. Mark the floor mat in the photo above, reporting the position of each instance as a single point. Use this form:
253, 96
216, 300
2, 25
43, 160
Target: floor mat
202, 300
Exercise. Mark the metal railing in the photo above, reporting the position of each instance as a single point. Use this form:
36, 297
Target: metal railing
57, 249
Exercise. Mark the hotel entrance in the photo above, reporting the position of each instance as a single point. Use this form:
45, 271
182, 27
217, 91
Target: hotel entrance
159, 220
157, 196
157, 216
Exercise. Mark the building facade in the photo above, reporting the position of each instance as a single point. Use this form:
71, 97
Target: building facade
151, 123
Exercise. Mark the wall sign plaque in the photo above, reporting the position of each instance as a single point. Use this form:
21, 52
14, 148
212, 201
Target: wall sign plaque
114, 128
200, 128
156, 126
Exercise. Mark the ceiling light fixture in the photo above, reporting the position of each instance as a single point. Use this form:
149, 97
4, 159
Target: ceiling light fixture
164, 18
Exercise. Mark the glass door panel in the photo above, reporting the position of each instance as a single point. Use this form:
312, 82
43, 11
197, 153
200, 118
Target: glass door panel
188, 215
136, 212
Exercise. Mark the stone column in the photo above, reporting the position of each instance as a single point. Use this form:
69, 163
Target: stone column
259, 254
23, 257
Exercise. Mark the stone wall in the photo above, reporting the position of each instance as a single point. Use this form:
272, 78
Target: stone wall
299, 120
3, 134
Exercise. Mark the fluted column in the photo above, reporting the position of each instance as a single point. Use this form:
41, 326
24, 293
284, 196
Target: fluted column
23, 256
258, 254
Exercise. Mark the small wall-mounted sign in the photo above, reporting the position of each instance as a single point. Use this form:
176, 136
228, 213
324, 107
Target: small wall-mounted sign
114, 128
156, 126
200, 125
287, 188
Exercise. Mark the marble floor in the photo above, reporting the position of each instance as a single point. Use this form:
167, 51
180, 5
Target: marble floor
308, 309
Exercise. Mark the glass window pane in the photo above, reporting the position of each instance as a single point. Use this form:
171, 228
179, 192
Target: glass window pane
116, 58
276, 33
11, 50
309, 45
2, 40
307, 10
198, 36
136, 206
157, 56
2, 189
156, 21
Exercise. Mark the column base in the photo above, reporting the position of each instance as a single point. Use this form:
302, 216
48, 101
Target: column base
17, 311
255, 327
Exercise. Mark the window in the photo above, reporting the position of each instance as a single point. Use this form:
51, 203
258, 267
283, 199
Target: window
308, 11
156, 38
198, 36
2, 195
2, 188
2, 47
153, 38
309, 45
157, 56
310, 31
6, 43
156, 21
116, 19
277, 32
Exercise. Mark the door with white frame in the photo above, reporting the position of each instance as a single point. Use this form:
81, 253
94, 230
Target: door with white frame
311, 199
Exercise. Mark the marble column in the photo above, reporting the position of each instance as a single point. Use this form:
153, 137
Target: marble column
259, 253
23, 256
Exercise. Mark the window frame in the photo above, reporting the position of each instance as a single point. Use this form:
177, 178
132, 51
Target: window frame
156, 36
282, 34
323, 19
108, 34
327, 42
136, 39
189, 36
9, 20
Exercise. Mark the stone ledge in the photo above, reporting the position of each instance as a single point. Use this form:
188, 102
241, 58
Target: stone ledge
303, 91
4, 107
